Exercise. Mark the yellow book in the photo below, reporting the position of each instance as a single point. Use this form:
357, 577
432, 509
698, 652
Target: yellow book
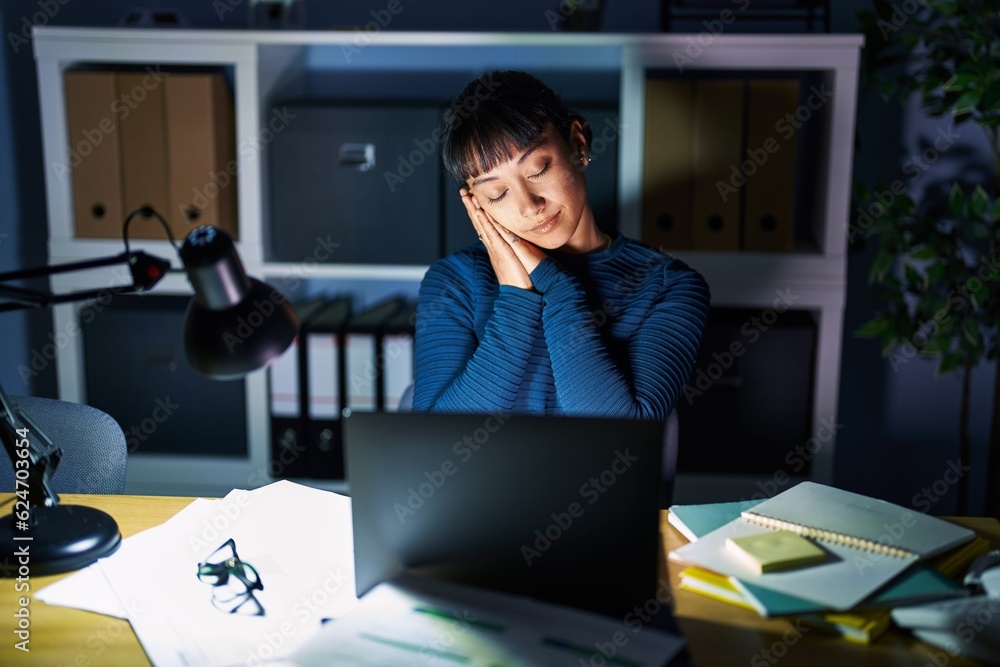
857, 627
777, 550
715, 586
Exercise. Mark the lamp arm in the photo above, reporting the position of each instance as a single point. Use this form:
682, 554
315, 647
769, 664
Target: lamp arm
147, 270
25, 442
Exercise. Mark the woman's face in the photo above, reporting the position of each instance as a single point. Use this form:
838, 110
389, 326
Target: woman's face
540, 194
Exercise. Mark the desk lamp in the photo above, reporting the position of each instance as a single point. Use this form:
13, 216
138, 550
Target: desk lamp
67, 537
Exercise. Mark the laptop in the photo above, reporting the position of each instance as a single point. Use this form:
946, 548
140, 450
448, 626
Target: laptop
561, 509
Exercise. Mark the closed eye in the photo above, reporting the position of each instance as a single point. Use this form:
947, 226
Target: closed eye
498, 199
542, 172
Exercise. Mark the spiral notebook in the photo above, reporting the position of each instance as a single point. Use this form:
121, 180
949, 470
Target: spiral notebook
868, 542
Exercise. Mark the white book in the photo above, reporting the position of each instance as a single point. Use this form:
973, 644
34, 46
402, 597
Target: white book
868, 542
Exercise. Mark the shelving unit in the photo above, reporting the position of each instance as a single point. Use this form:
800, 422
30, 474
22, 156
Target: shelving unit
268, 67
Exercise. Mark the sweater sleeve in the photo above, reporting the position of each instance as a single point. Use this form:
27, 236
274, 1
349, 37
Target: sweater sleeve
646, 381
454, 370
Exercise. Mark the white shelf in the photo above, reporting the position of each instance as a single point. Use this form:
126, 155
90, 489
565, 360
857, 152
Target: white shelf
266, 65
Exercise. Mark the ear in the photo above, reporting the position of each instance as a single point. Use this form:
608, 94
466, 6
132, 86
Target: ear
579, 135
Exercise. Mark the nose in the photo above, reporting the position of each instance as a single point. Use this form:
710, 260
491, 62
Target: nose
530, 203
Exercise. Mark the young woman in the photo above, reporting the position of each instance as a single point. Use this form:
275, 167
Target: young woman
546, 314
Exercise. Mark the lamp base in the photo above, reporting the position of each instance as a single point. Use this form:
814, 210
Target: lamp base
63, 538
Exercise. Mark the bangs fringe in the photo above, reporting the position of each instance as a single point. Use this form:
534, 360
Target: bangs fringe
485, 140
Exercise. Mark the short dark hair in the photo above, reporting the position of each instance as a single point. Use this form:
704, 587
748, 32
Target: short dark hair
496, 111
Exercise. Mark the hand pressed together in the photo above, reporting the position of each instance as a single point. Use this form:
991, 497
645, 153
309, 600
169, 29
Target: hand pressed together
512, 257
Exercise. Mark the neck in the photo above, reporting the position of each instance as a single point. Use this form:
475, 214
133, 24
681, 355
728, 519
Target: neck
588, 238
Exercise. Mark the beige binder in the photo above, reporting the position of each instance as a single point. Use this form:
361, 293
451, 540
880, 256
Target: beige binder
201, 152
769, 220
93, 162
668, 164
143, 153
718, 146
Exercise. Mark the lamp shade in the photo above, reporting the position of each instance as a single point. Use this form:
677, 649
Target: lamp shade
234, 324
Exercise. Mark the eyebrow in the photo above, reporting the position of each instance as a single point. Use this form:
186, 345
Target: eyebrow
536, 144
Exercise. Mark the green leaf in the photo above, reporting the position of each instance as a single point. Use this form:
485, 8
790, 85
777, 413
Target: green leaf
967, 102
935, 272
959, 82
980, 296
880, 268
872, 328
970, 329
956, 200
913, 276
925, 251
936, 347
979, 202
948, 363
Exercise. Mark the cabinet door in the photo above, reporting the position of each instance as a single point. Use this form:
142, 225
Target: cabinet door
353, 184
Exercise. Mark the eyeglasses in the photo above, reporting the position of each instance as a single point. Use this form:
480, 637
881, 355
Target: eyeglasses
233, 581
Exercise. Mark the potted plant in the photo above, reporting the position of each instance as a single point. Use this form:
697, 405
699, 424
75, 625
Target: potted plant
936, 268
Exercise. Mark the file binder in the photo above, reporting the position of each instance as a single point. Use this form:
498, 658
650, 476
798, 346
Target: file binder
287, 419
668, 165
321, 359
770, 192
93, 162
144, 156
395, 354
201, 145
362, 368
718, 146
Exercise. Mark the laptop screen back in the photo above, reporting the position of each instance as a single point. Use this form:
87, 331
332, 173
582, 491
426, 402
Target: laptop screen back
560, 509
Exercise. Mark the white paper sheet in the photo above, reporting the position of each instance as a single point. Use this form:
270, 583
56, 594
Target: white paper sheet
415, 621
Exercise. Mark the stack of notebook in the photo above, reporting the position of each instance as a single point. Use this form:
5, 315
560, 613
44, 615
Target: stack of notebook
875, 556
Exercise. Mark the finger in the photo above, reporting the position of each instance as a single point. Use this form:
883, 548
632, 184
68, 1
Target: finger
527, 252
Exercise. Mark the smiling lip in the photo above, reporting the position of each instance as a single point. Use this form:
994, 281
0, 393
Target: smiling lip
546, 226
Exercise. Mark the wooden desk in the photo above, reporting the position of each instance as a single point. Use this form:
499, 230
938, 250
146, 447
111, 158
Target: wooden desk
717, 633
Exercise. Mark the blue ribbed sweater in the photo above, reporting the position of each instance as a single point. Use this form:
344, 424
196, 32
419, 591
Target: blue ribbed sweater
611, 333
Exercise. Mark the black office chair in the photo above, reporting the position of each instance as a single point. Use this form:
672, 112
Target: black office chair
94, 451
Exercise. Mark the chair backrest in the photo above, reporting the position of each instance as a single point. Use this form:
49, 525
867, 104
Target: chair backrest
406, 400
94, 451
